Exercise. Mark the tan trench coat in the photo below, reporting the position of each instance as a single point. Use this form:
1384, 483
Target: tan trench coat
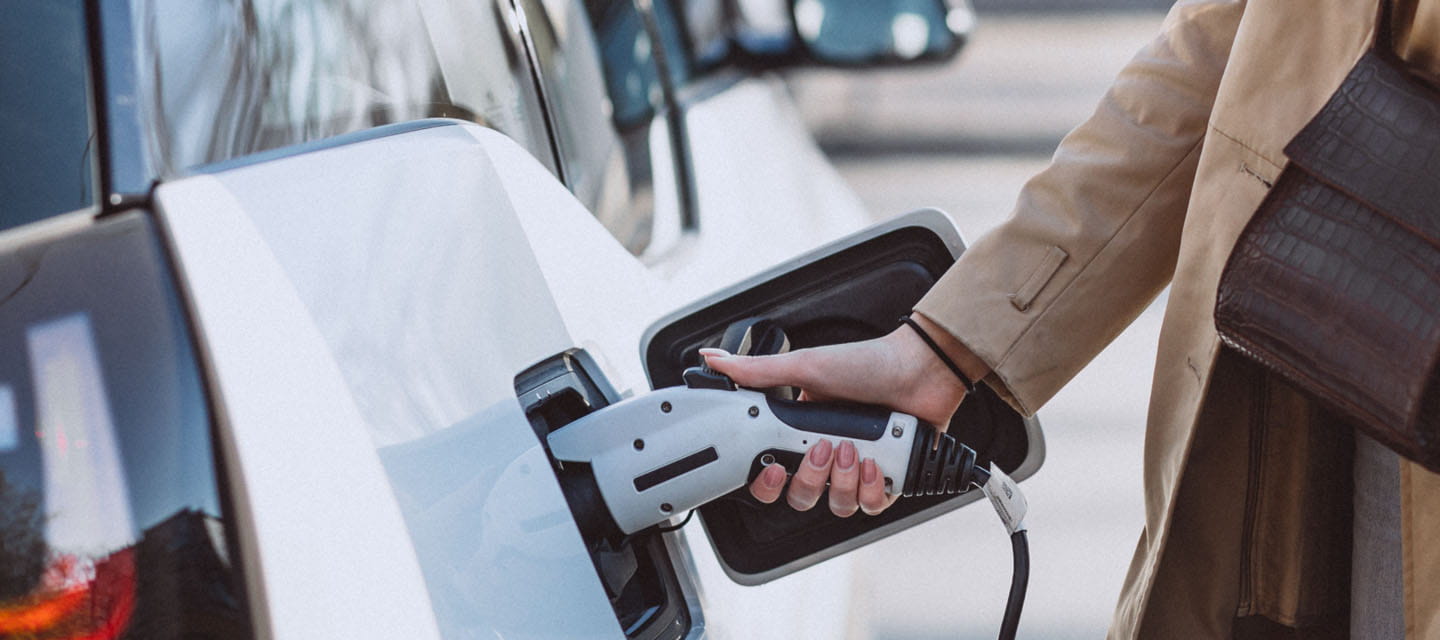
1152, 190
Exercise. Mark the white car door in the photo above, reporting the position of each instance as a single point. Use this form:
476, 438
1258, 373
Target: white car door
365, 304
395, 320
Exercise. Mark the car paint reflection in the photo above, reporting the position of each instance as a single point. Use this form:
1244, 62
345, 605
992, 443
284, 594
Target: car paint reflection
428, 349
108, 493
494, 537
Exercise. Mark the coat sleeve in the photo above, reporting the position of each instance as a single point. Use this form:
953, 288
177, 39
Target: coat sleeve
1094, 237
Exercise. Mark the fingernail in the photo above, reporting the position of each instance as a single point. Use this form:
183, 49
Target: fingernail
869, 473
773, 476
710, 352
820, 454
845, 459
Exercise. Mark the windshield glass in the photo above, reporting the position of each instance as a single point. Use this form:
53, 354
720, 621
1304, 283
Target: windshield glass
111, 522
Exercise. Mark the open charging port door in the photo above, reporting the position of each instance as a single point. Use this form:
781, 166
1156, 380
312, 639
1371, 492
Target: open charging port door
854, 289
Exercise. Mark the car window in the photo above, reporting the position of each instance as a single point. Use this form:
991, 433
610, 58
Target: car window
669, 23
632, 79
703, 27
597, 65
696, 36
47, 157
227, 78
111, 518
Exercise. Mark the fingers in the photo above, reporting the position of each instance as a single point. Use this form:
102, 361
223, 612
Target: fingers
857, 371
854, 484
786, 369
897, 370
768, 485
873, 499
809, 480
844, 481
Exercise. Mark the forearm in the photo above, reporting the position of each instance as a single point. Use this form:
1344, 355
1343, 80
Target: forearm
1095, 236
970, 364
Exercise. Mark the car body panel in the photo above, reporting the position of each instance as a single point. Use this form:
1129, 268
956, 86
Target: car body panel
608, 300
754, 212
763, 189
346, 296
294, 437
602, 295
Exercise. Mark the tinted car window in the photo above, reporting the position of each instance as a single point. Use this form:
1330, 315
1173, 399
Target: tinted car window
597, 65
679, 61
631, 77
227, 78
46, 159
111, 520
696, 34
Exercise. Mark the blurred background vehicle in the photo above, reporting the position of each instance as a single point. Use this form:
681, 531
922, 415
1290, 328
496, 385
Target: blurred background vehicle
965, 137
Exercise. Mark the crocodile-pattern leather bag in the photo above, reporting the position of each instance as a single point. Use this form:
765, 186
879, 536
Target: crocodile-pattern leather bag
1335, 282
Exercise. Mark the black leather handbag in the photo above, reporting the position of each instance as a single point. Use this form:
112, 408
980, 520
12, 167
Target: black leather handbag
1335, 282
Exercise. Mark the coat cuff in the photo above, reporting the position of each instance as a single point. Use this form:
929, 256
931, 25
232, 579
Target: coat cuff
990, 347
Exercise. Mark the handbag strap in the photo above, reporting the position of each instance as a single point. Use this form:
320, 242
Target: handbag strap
1385, 28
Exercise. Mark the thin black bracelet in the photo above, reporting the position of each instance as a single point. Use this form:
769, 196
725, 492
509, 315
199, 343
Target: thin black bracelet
940, 353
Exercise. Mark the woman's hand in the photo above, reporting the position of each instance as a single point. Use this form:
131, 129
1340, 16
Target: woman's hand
897, 371
854, 484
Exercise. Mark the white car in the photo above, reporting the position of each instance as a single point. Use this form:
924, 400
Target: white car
291, 294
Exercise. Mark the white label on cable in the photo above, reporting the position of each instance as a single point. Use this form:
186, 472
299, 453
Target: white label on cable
1005, 495
9, 421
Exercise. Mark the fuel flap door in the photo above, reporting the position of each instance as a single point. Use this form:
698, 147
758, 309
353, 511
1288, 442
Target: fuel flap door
853, 289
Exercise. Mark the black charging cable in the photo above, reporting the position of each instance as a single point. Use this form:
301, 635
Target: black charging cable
656, 530
1010, 505
942, 465
1019, 579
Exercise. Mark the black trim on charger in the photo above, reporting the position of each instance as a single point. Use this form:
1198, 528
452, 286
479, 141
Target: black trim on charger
652, 479
854, 421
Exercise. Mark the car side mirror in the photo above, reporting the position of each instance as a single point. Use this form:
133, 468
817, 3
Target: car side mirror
880, 32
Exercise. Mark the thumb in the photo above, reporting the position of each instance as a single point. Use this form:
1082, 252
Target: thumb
782, 370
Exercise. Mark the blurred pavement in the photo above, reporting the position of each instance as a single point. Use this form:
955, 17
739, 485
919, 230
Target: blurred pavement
964, 137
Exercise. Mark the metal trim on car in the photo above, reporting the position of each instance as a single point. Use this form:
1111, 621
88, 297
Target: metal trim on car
126, 169
288, 151
520, 26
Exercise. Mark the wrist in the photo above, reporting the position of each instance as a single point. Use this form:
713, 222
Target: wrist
961, 356
919, 372
915, 380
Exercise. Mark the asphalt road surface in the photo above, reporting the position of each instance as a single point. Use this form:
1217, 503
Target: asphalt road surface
965, 137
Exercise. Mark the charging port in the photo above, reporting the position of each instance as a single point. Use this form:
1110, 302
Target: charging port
636, 571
